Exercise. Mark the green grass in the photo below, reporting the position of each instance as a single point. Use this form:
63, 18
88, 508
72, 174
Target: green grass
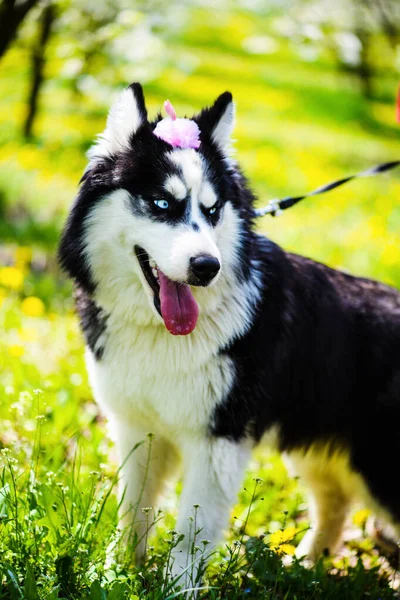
299, 125
58, 526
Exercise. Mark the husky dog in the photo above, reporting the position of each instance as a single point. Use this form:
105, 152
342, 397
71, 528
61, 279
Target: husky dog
210, 336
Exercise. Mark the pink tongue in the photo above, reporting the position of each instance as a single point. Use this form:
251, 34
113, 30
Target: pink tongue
178, 307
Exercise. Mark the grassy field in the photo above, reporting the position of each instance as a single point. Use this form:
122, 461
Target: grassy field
300, 124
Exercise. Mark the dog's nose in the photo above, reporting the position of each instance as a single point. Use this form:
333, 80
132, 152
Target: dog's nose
204, 267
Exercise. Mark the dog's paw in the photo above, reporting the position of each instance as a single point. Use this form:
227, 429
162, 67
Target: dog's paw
312, 548
385, 539
307, 549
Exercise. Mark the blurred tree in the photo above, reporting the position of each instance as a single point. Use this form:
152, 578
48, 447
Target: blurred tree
372, 19
46, 21
354, 31
118, 41
387, 13
102, 44
12, 14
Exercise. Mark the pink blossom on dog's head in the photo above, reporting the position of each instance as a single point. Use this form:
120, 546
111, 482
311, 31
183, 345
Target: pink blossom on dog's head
169, 109
181, 133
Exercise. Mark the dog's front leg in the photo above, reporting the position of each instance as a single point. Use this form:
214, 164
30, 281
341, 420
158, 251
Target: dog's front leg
146, 461
213, 470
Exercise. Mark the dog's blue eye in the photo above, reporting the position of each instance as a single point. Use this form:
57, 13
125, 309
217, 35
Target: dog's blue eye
161, 203
212, 210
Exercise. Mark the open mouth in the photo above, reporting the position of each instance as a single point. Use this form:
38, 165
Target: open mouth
150, 272
174, 301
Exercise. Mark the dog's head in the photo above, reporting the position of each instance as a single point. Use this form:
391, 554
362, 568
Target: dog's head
153, 215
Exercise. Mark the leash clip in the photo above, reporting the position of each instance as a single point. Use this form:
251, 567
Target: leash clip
274, 208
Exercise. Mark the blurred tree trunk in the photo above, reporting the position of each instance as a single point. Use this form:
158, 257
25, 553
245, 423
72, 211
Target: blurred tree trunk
37, 68
387, 13
12, 13
365, 70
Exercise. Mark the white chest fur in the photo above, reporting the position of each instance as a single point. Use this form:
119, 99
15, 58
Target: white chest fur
148, 376
164, 382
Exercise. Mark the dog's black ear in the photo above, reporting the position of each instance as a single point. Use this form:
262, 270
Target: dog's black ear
218, 121
126, 116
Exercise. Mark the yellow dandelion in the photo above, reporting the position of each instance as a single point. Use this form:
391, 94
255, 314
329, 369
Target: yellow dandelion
23, 255
11, 277
16, 351
360, 517
287, 549
278, 541
32, 307
282, 536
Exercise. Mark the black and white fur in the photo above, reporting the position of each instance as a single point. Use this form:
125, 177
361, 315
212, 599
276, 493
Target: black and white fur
286, 351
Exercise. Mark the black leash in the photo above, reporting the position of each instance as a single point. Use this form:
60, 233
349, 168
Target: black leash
276, 206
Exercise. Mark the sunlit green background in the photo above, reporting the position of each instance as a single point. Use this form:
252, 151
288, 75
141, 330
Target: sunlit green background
302, 118
315, 86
